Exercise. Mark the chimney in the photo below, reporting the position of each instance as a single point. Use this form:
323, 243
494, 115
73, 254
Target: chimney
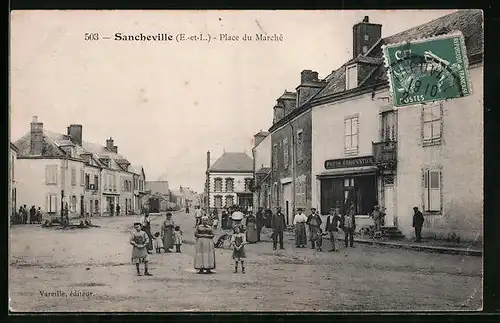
309, 86
109, 144
115, 149
258, 137
75, 133
308, 76
36, 137
208, 160
365, 35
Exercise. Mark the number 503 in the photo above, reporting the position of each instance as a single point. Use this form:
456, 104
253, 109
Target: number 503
91, 36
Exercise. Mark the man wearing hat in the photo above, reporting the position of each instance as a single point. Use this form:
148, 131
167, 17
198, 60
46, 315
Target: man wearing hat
278, 225
314, 222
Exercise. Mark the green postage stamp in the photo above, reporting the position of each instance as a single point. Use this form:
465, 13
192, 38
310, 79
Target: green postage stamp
427, 70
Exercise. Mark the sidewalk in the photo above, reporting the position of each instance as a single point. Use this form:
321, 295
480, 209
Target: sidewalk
428, 245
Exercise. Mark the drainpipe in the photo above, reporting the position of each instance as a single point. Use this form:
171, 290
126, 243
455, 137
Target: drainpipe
294, 173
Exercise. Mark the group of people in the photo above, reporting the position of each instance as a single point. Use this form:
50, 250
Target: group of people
25, 216
143, 242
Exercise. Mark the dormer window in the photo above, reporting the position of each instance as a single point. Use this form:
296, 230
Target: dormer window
351, 77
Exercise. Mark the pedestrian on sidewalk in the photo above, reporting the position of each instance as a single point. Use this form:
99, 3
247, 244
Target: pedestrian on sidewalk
278, 225
204, 259
418, 222
299, 221
187, 209
32, 215
349, 226
332, 228
146, 227
224, 217
158, 243
314, 222
251, 228
238, 242
177, 238
167, 232
25, 214
139, 241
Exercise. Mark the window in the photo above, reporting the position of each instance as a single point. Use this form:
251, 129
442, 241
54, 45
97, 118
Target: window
51, 174
87, 181
73, 203
432, 124
73, 176
389, 132
82, 177
365, 49
275, 157
300, 143
96, 182
351, 135
351, 77
300, 191
285, 153
114, 182
366, 37
52, 203
96, 206
229, 185
432, 190
218, 185
229, 201
247, 184
218, 201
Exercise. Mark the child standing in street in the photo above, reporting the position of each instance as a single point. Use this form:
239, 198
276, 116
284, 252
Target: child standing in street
238, 241
177, 239
319, 239
158, 243
139, 240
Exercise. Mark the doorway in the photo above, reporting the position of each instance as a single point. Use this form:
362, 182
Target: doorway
389, 201
287, 202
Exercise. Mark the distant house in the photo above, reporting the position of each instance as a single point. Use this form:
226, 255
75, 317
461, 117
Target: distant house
262, 170
229, 180
139, 188
158, 196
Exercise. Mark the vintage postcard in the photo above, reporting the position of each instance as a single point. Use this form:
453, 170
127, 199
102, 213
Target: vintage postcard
233, 161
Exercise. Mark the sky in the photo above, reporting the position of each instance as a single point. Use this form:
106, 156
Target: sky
166, 104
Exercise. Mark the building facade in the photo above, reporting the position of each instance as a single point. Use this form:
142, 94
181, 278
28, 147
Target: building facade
262, 170
139, 180
229, 181
365, 152
291, 137
61, 171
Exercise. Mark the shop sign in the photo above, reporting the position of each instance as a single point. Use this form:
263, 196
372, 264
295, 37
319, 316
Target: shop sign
349, 162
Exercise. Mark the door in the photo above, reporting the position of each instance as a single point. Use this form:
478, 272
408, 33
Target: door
389, 205
287, 202
82, 206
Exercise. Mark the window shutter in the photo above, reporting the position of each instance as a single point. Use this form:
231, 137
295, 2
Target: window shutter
425, 176
48, 176
47, 204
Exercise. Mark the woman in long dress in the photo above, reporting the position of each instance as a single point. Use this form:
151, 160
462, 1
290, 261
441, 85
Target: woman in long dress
251, 229
299, 222
167, 231
204, 259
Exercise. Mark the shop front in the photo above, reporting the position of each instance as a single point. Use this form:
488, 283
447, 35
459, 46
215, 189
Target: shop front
349, 181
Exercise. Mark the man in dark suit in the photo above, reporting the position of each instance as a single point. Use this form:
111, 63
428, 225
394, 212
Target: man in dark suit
332, 227
348, 224
418, 222
278, 225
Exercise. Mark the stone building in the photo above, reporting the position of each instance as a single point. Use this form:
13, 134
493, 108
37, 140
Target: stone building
229, 181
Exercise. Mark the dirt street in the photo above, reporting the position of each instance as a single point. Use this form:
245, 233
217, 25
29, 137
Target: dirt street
90, 270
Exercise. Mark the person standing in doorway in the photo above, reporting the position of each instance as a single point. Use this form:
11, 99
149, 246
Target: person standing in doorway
278, 225
349, 226
314, 222
418, 222
332, 228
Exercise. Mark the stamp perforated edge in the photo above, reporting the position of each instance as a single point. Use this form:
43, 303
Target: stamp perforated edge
465, 59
